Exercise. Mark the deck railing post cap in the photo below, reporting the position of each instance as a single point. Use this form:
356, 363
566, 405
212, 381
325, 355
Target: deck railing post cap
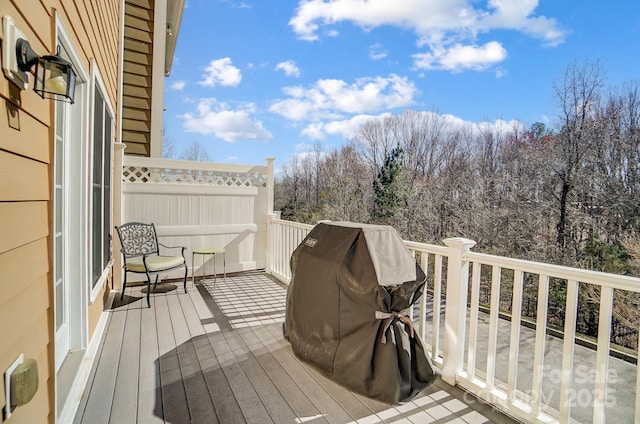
459, 242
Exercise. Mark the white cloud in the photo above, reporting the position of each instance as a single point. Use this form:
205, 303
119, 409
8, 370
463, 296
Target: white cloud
215, 118
301, 147
377, 51
499, 127
346, 128
289, 67
459, 57
331, 98
221, 72
178, 85
237, 5
439, 25
519, 16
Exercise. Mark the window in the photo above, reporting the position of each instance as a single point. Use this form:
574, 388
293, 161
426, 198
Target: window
71, 194
101, 186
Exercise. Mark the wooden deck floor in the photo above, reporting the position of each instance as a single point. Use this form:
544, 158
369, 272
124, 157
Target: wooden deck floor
217, 355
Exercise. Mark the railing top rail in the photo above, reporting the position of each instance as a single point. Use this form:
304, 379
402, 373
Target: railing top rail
193, 165
293, 224
615, 281
429, 248
412, 245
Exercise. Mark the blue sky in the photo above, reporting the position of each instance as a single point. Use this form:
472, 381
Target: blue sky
270, 78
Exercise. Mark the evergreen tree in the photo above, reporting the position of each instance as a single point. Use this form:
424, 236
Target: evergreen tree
388, 188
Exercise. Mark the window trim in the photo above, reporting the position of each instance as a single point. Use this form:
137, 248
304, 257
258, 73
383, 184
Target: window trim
77, 301
97, 83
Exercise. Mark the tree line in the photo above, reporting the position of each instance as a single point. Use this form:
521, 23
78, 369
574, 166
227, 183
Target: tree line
566, 192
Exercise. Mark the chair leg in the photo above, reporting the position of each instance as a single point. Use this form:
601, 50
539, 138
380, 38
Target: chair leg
149, 289
124, 285
185, 277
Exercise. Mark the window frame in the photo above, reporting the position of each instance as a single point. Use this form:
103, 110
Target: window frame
97, 85
74, 218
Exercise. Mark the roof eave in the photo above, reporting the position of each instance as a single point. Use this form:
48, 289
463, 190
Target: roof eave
174, 18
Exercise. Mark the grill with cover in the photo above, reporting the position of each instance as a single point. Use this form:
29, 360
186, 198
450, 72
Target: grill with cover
347, 311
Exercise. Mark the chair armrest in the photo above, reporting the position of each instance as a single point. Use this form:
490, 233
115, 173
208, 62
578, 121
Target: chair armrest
174, 247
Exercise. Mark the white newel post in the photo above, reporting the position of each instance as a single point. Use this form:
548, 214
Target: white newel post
455, 307
270, 214
118, 205
271, 241
270, 185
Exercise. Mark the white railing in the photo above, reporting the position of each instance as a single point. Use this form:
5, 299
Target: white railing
284, 237
589, 380
523, 370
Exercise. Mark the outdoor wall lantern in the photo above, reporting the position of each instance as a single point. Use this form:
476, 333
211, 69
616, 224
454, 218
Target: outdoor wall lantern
54, 76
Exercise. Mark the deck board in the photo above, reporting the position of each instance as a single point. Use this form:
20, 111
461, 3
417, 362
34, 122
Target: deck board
323, 404
195, 388
217, 356
125, 397
199, 400
300, 404
223, 402
247, 397
91, 379
273, 401
149, 409
309, 384
98, 406
191, 314
174, 397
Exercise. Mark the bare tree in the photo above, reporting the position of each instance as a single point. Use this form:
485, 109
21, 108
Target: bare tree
345, 193
168, 145
577, 97
375, 140
289, 183
195, 151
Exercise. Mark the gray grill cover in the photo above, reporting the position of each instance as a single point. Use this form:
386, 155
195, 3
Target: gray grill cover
346, 281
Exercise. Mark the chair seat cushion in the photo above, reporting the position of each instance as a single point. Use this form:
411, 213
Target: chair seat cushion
155, 263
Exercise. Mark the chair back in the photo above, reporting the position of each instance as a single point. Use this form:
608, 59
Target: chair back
137, 239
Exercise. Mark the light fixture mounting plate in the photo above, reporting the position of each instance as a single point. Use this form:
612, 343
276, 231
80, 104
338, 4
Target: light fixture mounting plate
7, 385
11, 34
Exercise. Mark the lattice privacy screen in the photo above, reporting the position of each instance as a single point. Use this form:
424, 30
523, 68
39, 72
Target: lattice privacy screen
141, 174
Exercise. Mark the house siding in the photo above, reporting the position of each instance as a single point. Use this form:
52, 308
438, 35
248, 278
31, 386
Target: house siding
137, 90
26, 151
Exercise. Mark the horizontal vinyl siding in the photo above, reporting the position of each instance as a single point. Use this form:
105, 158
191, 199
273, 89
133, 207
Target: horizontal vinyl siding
137, 90
24, 220
24, 323
22, 223
17, 177
20, 309
26, 310
95, 23
22, 127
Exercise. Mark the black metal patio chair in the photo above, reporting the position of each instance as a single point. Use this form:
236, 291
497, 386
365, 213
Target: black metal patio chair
141, 253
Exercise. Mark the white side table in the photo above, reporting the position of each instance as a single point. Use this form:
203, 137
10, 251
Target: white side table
213, 251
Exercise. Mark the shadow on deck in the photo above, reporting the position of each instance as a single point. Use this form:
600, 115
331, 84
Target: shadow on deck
217, 355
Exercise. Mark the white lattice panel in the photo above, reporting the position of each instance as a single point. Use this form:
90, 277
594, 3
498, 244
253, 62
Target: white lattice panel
141, 174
